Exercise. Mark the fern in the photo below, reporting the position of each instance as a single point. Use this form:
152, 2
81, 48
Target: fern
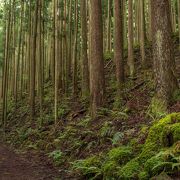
116, 138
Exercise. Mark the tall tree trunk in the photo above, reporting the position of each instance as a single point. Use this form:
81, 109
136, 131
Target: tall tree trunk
130, 38
75, 49
109, 27
163, 55
118, 43
6, 66
142, 33
179, 20
33, 63
84, 57
97, 83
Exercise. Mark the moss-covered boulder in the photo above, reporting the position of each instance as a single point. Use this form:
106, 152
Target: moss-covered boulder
164, 133
161, 151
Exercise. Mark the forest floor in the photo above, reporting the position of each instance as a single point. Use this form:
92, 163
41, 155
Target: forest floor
15, 166
44, 151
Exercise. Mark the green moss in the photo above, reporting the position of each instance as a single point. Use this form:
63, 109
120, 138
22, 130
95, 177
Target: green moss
176, 95
130, 170
108, 55
109, 168
152, 163
116, 157
90, 167
175, 128
120, 154
164, 161
144, 129
143, 175
158, 108
158, 132
153, 154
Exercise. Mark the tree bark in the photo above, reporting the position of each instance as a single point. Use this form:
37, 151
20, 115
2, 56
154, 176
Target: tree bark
118, 43
163, 55
97, 84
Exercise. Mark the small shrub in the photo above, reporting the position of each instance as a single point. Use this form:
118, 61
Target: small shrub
57, 156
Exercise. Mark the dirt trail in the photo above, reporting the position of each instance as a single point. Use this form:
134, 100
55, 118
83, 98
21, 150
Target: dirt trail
24, 167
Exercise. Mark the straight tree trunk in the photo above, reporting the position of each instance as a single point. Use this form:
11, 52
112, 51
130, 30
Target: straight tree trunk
179, 20
130, 38
97, 83
84, 56
163, 55
33, 64
108, 49
118, 44
142, 33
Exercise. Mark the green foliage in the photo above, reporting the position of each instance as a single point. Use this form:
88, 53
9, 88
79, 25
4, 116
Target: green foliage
120, 114
108, 55
164, 161
103, 112
130, 170
57, 156
47, 120
23, 134
85, 121
176, 95
157, 108
116, 157
158, 132
116, 138
109, 169
90, 167
120, 154
153, 156
63, 110
107, 130
143, 175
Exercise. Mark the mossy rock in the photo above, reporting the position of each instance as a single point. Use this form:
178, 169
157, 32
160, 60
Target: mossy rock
157, 164
161, 142
163, 133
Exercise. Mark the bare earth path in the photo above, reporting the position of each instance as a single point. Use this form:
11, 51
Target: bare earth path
24, 167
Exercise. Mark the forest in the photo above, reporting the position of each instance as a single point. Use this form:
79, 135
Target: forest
90, 89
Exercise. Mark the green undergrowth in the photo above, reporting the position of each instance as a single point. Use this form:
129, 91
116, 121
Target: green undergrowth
160, 153
104, 148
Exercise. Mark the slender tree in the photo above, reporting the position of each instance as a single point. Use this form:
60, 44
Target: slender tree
84, 56
179, 19
97, 82
118, 43
130, 38
33, 63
